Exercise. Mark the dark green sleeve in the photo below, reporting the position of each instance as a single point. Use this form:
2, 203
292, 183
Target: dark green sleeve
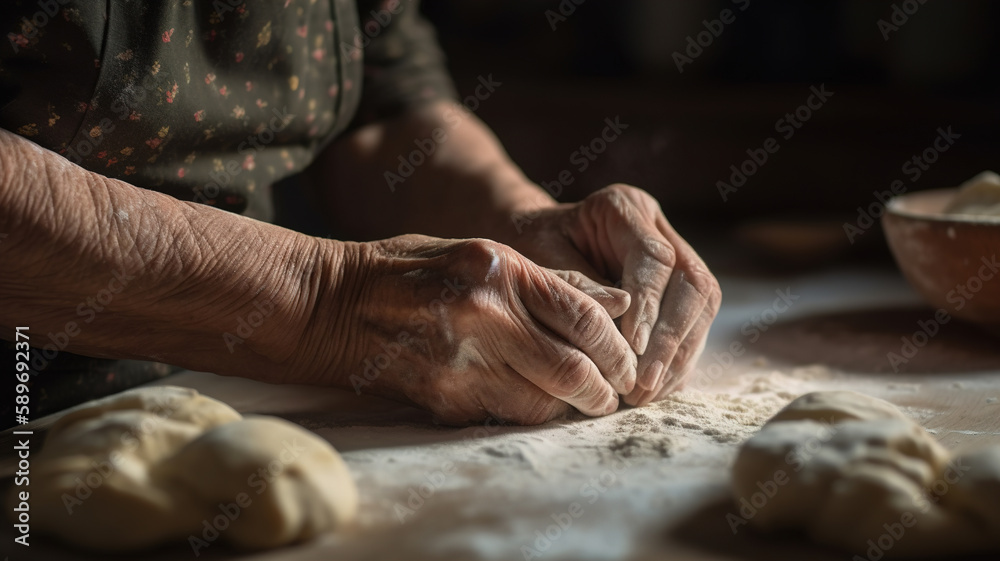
403, 63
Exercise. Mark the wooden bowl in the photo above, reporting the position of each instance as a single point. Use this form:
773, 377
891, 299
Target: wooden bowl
952, 261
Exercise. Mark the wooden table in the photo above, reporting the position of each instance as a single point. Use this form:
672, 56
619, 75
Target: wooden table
647, 483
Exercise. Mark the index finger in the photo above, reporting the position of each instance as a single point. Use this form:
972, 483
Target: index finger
583, 323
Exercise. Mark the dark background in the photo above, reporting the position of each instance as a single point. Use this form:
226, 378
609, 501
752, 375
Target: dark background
612, 58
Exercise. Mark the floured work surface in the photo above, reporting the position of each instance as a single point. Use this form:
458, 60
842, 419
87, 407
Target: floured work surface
645, 483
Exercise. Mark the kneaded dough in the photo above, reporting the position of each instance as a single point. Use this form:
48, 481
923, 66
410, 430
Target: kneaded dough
978, 491
979, 196
850, 470
837, 406
161, 464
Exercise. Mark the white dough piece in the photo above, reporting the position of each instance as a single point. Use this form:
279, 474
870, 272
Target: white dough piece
979, 196
836, 406
978, 491
153, 465
853, 472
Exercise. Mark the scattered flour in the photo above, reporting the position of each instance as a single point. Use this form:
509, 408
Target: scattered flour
726, 418
661, 446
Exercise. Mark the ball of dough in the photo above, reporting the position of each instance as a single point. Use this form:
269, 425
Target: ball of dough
297, 485
853, 472
837, 406
820, 462
160, 464
976, 486
979, 196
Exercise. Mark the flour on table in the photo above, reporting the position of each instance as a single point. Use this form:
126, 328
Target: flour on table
735, 414
660, 446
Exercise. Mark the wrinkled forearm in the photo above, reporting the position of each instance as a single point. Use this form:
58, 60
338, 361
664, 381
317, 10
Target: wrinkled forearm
464, 184
99, 267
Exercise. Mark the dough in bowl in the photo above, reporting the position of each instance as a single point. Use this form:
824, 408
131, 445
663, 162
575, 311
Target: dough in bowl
979, 196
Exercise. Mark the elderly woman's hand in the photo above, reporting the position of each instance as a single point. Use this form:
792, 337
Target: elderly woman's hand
619, 234
470, 329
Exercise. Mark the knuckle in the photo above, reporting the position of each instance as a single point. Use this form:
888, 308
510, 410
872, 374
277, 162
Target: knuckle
621, 195
658, 250
589, 326
571, 377
574, 278
707, 285
621, 189
614, 199
649, 202
621, 365
481, 258
482, 266
481, 246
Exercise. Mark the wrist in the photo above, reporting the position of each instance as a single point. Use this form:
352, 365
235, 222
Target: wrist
518, 206
304, 313
236, 296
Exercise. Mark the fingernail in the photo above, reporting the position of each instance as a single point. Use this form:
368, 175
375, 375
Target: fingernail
641, 338
650, 375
